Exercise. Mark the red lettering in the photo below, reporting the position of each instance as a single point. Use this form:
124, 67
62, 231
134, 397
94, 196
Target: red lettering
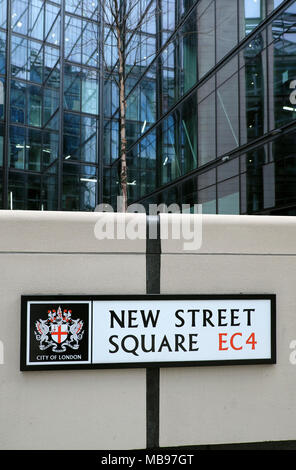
221, 341
251, 340
232, 343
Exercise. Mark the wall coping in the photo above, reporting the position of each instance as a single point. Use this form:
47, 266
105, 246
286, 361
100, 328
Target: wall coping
74, 232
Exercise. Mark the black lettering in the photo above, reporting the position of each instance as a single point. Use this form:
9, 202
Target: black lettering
234, 317
191, 342
221, 317
165, 344
249, 310
132, 350
179, 318
119, 321
152, 344
131, 319
150, 318
113, 344
193, 318
179, 340
207, 314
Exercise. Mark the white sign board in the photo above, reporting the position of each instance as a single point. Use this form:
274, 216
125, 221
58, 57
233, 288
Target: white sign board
140, 331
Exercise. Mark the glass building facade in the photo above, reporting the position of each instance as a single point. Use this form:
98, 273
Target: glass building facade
50, 103
211, 106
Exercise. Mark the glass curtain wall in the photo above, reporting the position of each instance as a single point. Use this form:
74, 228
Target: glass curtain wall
211, 82
34, 40
213, 104
49, 124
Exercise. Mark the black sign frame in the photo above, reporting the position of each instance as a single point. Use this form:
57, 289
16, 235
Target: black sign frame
90, 298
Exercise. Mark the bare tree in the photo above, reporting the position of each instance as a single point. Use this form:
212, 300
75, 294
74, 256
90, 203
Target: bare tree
124, 20
124, 25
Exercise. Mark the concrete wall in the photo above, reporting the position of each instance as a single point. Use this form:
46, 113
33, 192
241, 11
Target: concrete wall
239, 254
43, 253
57, 253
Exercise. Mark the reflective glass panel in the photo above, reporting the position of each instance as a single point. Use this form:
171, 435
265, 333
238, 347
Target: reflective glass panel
227, 116
3, 4
226, 27
24, 191
2, 52
79, 187
228, 196
206, 130
207, 198
2, 98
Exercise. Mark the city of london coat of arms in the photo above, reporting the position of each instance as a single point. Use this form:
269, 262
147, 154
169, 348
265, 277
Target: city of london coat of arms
59, 331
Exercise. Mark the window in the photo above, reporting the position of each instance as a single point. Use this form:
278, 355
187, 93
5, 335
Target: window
170, 164
50, 189
33, 150
189, 133
2, 52
253, 89
80, 138
147, 165
227, 116
252, 12
2, 102
24, 191
73, 38
28, 18
1, 143
228, 196
207, 130
3, 13
52, 24
89, 92
206, 36
79, 187
226, 27
284, 68
284, 155
18, 102
207, 198
189, 52
34, 97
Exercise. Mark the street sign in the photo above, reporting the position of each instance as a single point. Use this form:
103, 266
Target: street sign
67, 332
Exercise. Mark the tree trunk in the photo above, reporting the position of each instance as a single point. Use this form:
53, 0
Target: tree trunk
122, 119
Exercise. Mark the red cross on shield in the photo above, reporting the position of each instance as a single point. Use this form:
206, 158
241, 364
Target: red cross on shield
59, 333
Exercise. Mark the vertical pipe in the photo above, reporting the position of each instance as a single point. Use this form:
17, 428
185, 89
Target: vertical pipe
153, 260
